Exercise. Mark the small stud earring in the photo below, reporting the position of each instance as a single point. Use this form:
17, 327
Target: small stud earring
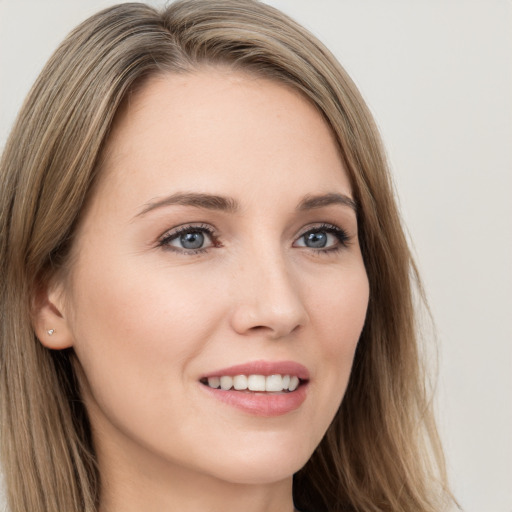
50, 332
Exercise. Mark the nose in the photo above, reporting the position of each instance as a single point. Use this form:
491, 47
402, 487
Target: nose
267, 301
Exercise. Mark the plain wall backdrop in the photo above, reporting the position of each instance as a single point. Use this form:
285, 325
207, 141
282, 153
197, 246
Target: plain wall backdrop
438, 78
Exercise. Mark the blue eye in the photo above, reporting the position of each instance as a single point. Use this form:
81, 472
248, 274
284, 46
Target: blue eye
316, 240
192, 240
189, 238
326, 237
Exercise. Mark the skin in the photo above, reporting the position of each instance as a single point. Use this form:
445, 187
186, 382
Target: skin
147, 319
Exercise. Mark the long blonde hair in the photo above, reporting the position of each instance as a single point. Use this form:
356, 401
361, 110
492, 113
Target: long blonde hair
381, 452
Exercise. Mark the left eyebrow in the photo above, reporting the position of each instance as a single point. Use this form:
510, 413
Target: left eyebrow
319, 201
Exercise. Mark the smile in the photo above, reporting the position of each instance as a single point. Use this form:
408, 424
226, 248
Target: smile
260, 388
258, 383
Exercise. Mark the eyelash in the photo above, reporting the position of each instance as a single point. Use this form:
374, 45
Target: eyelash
341, 235
189, 228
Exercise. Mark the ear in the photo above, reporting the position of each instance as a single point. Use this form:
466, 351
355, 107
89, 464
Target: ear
49, 319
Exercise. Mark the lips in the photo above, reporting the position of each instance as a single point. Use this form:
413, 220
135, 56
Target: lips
260, 388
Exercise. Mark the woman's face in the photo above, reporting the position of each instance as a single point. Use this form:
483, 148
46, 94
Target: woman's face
220, 242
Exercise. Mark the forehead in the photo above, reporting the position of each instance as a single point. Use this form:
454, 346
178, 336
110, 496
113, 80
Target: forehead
218, 128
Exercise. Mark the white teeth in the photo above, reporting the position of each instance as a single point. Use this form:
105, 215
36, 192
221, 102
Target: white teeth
294, 382
240, 382
226, 383
272, 383
214, 382
256, 383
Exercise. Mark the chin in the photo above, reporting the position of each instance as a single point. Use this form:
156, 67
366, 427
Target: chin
258, 474
263, 464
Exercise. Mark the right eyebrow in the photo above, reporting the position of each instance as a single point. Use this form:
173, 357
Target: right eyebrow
197, 200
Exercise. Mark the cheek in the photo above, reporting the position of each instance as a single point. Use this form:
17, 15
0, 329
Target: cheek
136, 331
337, 312
340, 312
141, 310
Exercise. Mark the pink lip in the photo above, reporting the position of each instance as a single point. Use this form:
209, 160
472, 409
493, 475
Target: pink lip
263, 368
260, 403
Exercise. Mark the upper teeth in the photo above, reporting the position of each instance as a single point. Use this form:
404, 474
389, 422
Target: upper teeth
255, 382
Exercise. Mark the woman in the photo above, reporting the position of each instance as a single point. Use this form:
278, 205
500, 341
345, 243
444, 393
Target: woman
206, 302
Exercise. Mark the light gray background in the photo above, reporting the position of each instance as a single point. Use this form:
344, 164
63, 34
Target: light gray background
438, 77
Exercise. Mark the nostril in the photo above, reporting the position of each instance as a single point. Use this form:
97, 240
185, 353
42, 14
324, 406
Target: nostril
273, 333
260, 328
